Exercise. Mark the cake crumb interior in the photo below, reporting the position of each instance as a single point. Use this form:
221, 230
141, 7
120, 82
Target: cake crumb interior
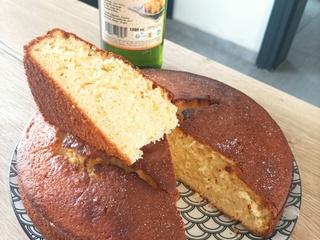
129, 109
213, 177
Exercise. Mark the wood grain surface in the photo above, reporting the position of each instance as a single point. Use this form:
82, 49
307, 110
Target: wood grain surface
21, 21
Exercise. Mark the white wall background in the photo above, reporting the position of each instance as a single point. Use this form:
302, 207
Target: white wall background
242, 22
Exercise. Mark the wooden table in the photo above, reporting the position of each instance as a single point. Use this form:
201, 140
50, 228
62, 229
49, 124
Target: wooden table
22, 21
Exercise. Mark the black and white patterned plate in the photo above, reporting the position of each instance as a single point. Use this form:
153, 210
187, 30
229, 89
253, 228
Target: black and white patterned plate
202, 220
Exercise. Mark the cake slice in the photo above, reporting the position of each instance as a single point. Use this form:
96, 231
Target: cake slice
96, 95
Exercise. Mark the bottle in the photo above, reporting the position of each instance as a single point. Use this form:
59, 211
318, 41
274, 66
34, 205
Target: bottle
134, 29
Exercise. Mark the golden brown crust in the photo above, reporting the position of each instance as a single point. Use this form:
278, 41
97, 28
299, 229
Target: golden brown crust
65, 203
238, 128
158, 166
47, 230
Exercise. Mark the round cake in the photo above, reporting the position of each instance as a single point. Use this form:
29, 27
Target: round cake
227, 148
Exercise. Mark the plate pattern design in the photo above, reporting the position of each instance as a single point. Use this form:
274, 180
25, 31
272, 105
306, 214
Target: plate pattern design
202, 221
17, 204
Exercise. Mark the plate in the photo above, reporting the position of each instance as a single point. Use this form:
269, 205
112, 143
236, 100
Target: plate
202, 221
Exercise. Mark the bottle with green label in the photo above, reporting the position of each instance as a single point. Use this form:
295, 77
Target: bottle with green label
134, 29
